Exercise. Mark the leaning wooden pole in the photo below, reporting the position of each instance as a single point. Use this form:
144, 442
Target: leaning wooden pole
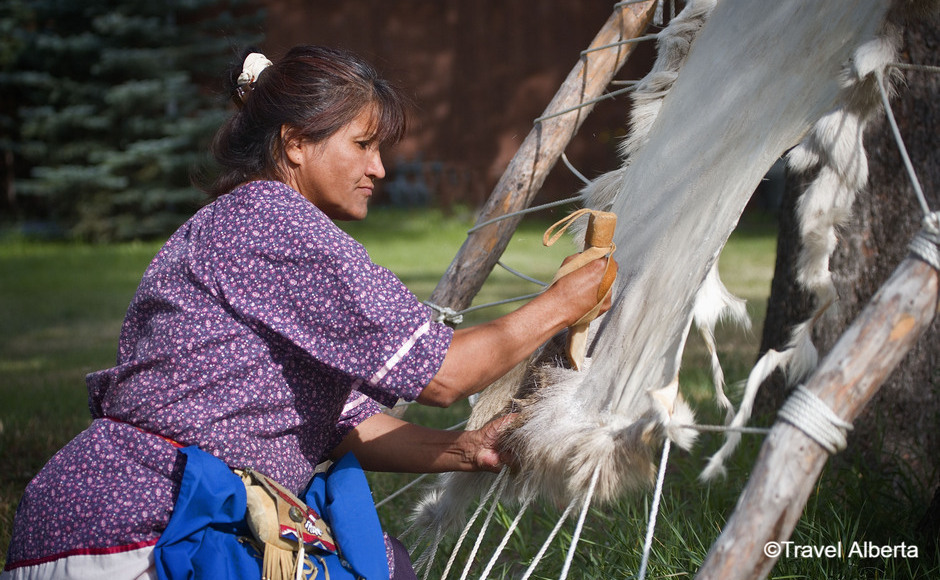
539, 152
790, 462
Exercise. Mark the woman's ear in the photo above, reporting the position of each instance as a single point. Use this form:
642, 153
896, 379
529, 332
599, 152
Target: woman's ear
292, 146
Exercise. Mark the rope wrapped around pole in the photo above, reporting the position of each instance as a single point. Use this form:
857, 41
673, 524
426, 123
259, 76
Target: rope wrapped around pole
926, 244
791, 461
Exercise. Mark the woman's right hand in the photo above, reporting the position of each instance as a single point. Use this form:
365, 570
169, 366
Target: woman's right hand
576, 293
483, 447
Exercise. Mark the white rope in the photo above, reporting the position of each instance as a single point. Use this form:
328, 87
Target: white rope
654, 511
505, 540
501, 302
915, 67
402, 490
519, 274
901, 148
429, 559
483, 528
420, 538
577, 530
445, 314
808, 413
727, 429
624, 42
535, 208
548, 540
571, 168
473, 518
926, 244
586, 103
454, 318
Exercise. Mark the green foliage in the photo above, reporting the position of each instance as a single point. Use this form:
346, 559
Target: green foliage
107, 115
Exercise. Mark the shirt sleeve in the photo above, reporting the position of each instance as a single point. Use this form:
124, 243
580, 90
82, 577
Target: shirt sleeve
358, 408
289, 272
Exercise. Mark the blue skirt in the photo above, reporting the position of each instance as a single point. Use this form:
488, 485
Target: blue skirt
202, 539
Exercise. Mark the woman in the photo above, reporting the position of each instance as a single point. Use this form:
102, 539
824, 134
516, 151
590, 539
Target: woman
263, 335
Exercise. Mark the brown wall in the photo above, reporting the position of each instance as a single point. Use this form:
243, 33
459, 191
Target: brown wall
479, 72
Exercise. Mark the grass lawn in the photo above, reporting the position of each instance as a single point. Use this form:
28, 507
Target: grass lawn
61, 308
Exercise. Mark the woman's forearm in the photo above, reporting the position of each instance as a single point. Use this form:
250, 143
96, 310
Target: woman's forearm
481, 354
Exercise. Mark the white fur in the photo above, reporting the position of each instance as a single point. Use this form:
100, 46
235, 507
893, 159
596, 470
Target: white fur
560, 466
713, 303
796, 361
834, 148
672, 46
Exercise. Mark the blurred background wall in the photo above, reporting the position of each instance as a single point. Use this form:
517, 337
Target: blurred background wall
479, 73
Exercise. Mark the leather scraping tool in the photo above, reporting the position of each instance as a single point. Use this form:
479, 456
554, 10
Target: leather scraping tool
598, 243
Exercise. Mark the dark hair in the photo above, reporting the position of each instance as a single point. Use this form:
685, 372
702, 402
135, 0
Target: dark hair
313, 91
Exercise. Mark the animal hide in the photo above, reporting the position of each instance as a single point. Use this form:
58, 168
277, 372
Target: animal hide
710, 120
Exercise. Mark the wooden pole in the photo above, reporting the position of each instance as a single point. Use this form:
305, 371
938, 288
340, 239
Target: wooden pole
538, 154
790, 462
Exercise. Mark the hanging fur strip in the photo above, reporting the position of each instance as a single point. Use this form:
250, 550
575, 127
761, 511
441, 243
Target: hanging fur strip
835, 151
756, 79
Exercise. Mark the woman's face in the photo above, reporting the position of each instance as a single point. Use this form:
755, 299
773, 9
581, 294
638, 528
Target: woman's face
338, 175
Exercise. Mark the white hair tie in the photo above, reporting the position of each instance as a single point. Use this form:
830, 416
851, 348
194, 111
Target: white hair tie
251, 69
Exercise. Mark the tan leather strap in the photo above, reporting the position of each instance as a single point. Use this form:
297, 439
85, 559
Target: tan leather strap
598, 241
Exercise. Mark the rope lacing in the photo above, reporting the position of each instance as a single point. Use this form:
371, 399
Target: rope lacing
445, 314
808, 413
926, 244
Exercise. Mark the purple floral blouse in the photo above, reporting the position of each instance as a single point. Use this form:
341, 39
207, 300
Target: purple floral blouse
262, 333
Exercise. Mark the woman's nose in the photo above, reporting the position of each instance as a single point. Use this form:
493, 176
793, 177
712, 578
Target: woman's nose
375, 169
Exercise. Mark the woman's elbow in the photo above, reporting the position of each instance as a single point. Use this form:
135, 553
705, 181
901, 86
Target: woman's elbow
438, 396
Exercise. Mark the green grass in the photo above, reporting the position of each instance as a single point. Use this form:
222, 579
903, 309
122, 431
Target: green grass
61, 308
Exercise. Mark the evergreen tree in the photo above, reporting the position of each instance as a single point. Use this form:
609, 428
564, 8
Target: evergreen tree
110, 115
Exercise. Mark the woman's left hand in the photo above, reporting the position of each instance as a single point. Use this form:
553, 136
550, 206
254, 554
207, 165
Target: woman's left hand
486, 452
385, 443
